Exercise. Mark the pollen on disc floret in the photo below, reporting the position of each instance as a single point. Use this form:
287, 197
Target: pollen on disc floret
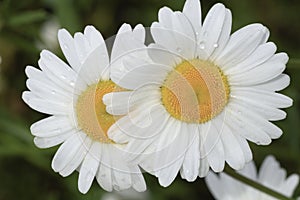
195, 91
91, 112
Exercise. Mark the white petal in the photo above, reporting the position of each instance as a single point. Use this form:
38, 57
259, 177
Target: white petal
224, 36
290, 185
51, 126
75, 162
171, 148
142, 74
259, 56
265, 97
165, 17
121, 103
232, 186
241, 44
125, 42
215, 185
44, 106
40, 77
184, 35
104, 174
94, 37
82, 46
255, 119
259, 74
139, 32
175, 33
241, 123
57, 71
276, 84
67, 151
191, 162
212, 144
94, 65
138, 182
192, 10
168, 174
234, 155
121, 173
203, 168
121, 180
161, 55
245, 147
89, 168
46, 142
266, 111
68, 48
42, 90
249, 171
147, 118
211, 30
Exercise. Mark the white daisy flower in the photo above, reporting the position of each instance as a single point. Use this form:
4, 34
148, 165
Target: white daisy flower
198, 94
72, 96
271, 175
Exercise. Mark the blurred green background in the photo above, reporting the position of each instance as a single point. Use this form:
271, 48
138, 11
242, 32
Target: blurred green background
28, 26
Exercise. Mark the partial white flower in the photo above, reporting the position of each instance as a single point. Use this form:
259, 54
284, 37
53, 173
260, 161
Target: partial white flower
48, 34
198, 94
72, 96
126, 195
271, 175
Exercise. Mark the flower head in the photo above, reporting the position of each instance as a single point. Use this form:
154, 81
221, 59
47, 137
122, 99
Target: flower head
72, 95
198, 93
271, 175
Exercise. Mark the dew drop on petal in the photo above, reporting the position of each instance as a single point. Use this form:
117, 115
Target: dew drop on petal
202, 45
216, 45
72, 83
179, 50
65, 46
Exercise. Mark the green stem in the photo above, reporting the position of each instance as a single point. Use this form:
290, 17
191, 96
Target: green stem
255, 185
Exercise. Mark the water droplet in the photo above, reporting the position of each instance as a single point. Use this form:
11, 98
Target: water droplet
122, 69
53, 92
66, 46
202, 45
63, 77
179, 50
216, 45
72, 83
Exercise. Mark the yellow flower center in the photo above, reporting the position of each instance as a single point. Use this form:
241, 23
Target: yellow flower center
91, 113
195, 91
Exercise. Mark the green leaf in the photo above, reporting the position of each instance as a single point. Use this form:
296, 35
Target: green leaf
27, 18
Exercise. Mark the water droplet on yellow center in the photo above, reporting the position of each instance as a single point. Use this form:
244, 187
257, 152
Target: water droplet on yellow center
195, 91
91, 112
